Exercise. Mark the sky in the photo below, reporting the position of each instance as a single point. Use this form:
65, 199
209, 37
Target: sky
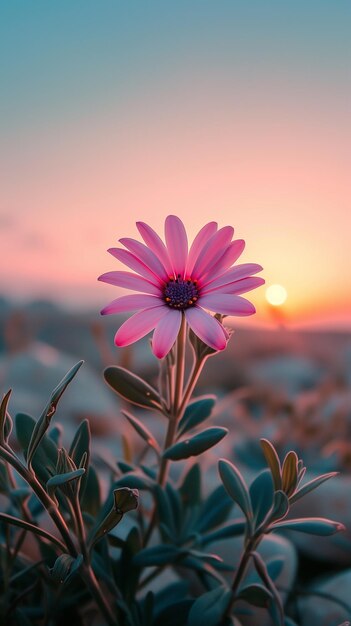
113, 112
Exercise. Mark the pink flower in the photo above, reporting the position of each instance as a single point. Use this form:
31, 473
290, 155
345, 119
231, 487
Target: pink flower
173, 282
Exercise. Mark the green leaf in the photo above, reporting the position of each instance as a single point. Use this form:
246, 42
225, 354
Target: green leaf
91, 498
136, 480
5, 419
203, 567
128, 573
232, 529
209, 608
125, 467
55, 434
280, 506
195, 445
290, 473
235, 487
142, 431
312, 484
123, 500
177, 591
215, 509
176, 505
301, 470
65, 567
256, 594
272, 459
44, 420
159, 555
174, 613
261, 495
59, 480
262, 570
45, 460
115, 542
63, 384
132, 388
312, 525
196, 413
190, 488
62, 567
105, 526
212, 559
80, 446
164, 511
14, 521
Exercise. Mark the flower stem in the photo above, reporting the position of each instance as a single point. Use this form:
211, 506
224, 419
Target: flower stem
194, 377
176, 400
94, 588
173, 417
180, 367
179, 401
240, 572
80, 529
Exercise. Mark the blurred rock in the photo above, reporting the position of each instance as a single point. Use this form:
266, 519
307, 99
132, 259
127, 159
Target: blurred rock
316, 609
33, 372
286, 373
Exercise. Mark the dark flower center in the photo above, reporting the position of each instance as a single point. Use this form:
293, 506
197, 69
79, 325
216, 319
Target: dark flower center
181, 294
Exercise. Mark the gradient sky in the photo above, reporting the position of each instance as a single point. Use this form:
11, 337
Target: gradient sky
113, 111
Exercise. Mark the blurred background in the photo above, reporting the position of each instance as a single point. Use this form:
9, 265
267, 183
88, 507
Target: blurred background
112, 112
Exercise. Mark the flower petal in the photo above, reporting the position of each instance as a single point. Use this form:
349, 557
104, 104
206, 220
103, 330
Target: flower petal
130, 281
212, 250
156, 244
139, 325
134, 263
131, 303
201, 238
232, 275
177, 244
239, 286
229, 256
227, 304
166, 333
147, 256
206, 327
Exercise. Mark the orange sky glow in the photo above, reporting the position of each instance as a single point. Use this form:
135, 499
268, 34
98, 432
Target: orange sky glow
268, 153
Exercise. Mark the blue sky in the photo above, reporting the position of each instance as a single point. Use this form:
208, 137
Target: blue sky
66, 58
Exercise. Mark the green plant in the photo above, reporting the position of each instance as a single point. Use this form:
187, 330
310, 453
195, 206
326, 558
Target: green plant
80, 557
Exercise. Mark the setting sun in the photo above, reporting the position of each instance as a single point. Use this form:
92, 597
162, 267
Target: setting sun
276, 295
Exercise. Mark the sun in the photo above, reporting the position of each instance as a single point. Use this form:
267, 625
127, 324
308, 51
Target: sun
276, 295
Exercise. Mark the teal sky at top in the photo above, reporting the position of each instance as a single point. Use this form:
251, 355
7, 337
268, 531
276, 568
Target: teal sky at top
114, 111
66, 58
